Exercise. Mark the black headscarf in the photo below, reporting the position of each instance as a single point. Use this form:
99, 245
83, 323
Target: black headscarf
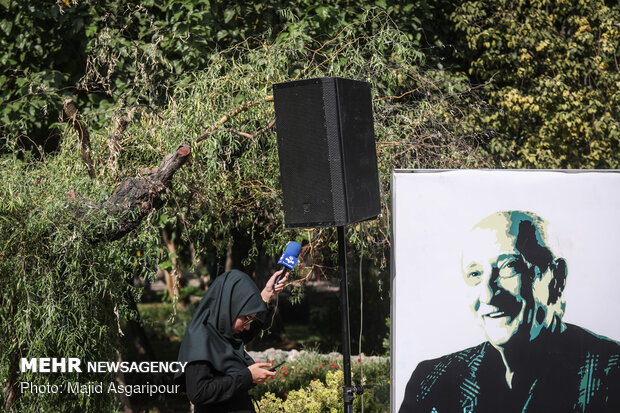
209, 334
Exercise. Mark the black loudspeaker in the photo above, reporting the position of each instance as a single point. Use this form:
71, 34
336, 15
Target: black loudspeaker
326, 146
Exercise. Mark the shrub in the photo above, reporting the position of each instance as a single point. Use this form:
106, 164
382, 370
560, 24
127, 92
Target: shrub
317, 378
316, 397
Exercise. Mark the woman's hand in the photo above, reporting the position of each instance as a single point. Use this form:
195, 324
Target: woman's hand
259, 373
268, 292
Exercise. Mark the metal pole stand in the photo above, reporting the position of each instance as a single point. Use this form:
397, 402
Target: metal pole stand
348, 390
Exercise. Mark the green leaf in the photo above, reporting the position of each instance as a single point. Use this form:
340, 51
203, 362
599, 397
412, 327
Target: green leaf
322, 12
228, 15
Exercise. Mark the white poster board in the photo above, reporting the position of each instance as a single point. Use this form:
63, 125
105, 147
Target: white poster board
432, 210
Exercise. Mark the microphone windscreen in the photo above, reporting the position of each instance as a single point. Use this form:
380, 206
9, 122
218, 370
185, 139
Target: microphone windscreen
293, 248
289, 257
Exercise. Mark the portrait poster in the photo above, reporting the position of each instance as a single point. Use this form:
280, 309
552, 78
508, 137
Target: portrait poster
434, 317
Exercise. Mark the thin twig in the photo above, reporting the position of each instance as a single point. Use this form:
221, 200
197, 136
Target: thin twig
254, 135
72, 113
114, 142
397, 97
231, 115
333, 40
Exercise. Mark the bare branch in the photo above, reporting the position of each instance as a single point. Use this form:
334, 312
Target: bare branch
114, 142
231, 115
254, 135
237, 132
265, 129
397, 97
172, 277
83, 137
133, 199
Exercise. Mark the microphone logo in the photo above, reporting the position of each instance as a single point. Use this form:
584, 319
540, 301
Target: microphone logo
288, 261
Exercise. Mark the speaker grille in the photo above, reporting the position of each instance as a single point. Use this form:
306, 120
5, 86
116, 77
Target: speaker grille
358, 149
328, 161
303, 153
334, 149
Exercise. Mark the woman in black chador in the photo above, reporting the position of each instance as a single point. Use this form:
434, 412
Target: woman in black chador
219, 372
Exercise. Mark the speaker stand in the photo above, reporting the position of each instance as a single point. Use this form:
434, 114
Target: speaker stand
348, 390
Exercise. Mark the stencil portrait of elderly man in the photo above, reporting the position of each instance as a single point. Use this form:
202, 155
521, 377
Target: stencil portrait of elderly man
532, 361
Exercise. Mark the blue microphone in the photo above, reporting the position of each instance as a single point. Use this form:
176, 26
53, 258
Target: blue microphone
288, 260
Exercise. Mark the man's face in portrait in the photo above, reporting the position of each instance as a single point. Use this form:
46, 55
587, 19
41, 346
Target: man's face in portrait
507, 266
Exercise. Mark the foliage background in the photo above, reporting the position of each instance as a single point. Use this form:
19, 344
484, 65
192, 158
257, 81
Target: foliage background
479, 84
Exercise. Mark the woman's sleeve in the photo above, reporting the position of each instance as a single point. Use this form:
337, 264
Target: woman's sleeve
203, 387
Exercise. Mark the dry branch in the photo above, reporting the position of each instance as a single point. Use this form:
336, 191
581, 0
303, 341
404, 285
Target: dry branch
172, 277
132, 200
254, 135
232, 114
114, 142
83, 137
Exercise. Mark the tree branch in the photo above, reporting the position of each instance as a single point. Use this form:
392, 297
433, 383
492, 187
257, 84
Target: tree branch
254, 135
83, 137
11, 388
232, 114
172, 276
132, 200
114, 142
